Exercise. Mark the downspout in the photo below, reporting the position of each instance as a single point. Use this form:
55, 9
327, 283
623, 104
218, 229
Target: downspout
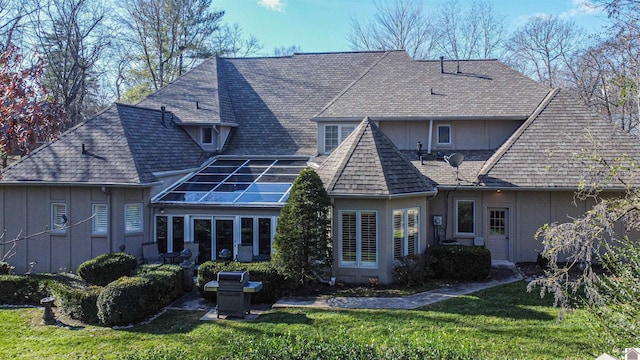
430, 137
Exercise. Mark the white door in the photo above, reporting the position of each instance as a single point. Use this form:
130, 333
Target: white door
498, 233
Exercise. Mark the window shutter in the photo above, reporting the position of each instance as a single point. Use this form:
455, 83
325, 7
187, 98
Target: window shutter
368, 237
398, 233
133, 217
100, 218
412, 231
58, 216
348, 237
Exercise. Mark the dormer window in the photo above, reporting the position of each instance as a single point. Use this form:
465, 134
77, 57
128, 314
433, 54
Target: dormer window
207, 135
335, 134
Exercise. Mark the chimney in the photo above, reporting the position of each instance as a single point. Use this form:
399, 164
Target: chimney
441, 64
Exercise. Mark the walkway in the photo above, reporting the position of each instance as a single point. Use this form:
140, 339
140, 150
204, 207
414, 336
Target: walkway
501, 273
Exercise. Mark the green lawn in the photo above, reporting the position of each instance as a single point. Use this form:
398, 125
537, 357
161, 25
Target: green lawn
505, 322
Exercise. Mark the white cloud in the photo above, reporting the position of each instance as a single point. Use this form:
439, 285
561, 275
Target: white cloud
275, 5
581, 7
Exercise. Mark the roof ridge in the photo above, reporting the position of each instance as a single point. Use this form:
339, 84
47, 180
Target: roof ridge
355, 81
493, 160
358, 133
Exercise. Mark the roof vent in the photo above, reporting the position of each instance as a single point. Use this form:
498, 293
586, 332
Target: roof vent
162, 113
458, 66
197, 105
84, 151
441, 64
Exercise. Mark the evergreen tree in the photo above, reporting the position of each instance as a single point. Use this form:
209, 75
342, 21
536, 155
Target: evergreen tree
302, 245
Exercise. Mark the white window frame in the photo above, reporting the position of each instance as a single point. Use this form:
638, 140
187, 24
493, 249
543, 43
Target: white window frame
58, 211
202, 135
342, 134
138, 224
358, 263
447, 126
100, 219
473, 231
405, 230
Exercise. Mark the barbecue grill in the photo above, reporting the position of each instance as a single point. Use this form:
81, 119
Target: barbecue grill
233, 292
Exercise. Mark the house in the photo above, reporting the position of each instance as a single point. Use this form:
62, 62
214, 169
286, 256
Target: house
207, 162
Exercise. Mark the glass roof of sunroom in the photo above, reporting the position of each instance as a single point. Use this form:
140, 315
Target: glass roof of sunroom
255, 181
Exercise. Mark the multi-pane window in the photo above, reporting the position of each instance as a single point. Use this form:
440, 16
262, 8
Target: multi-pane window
207, 135
406, 232
497, 222
133, 217
59, 217
358, 238
335, 134
100, 219
465, 217
444, 134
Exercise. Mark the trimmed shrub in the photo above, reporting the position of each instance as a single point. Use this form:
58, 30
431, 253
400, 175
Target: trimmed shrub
413, 270
131, 299
76, 299
21, 289
6, 268
106, 268
460, 262
273, 282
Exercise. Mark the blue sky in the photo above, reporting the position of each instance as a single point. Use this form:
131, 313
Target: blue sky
323, 25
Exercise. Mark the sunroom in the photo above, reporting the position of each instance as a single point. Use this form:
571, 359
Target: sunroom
227, 209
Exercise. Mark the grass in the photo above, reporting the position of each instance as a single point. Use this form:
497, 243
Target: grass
503, 322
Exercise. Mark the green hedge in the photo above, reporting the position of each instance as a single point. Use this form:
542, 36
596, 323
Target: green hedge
77, 299
413, 270
460, 262
23, 289
106, 268
133, 298
273, 283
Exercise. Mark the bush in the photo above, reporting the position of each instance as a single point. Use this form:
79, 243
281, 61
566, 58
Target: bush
131, 299
76, 299
6, 268
106, 268
20, 290
413, 269
273, 282
460, 262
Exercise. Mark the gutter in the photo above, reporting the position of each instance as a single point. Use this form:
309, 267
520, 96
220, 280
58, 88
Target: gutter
430, 193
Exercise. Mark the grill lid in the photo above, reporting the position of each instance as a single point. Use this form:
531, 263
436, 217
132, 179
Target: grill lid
239, 276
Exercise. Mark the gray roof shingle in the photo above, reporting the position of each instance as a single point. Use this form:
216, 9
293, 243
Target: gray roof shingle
397, 86
544, 152
368, 163
124, 145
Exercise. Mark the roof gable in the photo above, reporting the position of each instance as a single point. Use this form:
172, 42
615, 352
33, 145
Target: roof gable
368, 163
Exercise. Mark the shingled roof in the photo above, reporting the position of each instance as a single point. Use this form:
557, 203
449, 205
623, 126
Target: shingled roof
368, 163
398, 87
123, 145
197, 97
544, 152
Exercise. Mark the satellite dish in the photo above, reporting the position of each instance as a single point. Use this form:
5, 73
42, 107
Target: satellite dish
454, 159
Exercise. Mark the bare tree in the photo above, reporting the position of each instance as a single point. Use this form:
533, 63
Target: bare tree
229, 41
286, 51
543, 46
401, 24
168, 36
477, 32
72, 36
13, 19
